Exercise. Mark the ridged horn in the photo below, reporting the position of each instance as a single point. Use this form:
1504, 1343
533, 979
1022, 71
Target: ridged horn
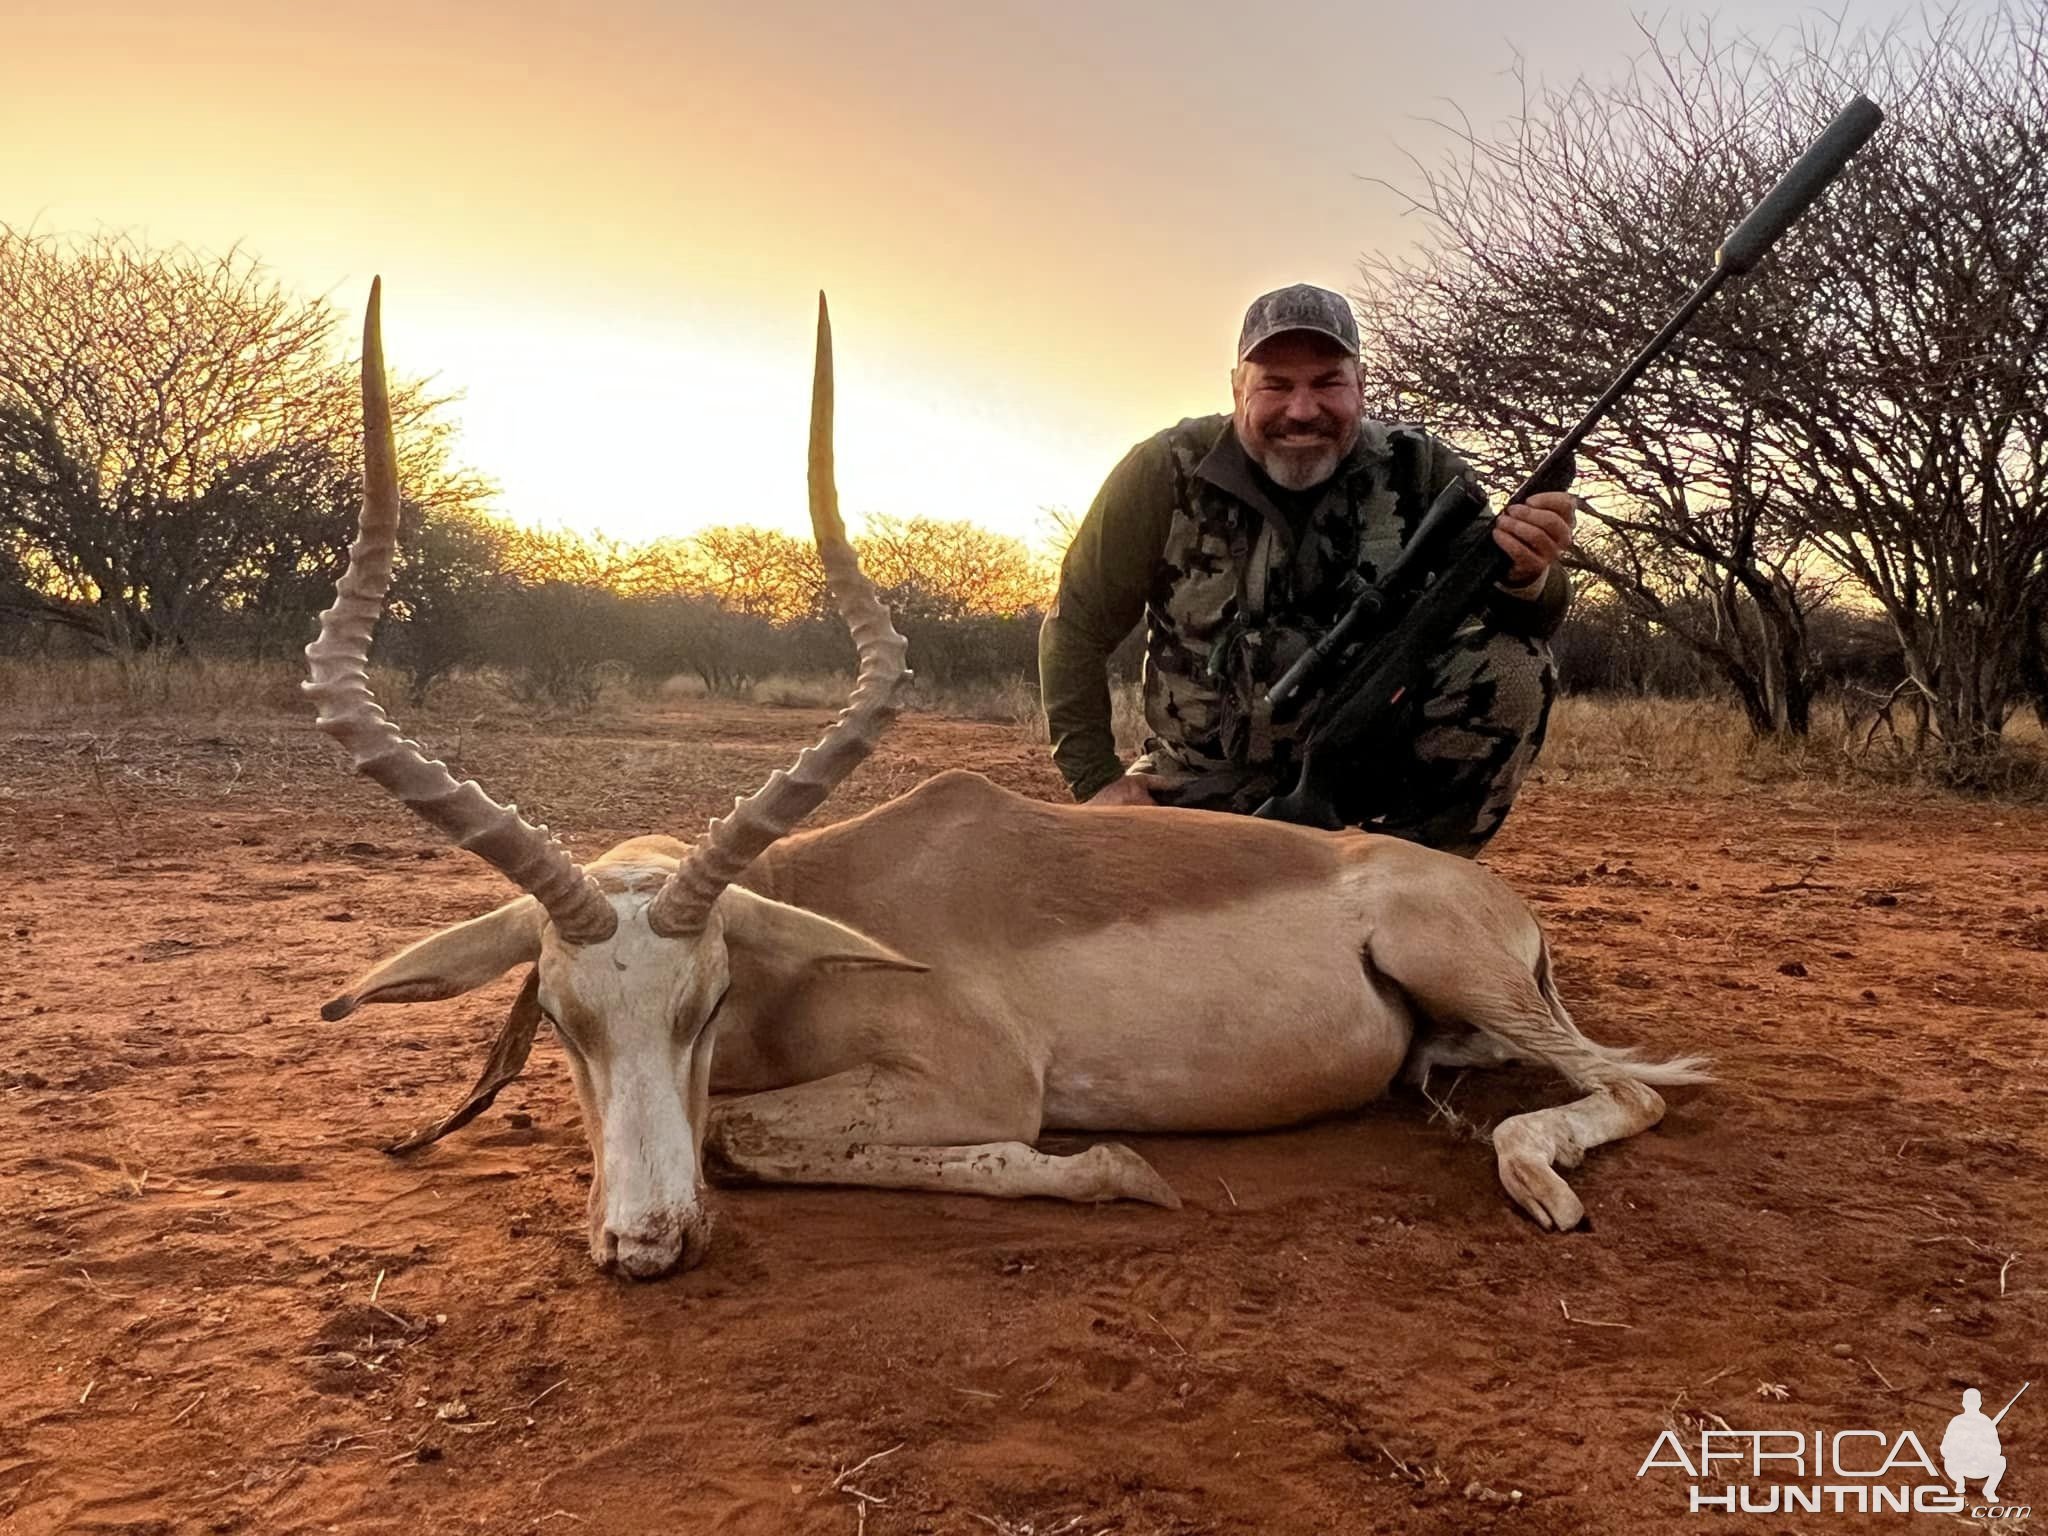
683, 905
349, 712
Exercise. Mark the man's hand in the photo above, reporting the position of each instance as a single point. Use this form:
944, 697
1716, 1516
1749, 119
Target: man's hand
1535, 533
1131, 789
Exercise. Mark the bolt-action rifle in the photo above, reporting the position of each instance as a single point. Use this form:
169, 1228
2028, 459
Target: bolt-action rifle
1397, 625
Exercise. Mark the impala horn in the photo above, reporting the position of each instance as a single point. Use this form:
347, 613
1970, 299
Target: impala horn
340, 687
683, 905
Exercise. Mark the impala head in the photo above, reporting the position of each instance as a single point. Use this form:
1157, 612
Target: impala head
630, 959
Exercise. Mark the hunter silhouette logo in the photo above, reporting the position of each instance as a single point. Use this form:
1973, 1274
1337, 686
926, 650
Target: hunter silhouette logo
1850, 1471
1970, 1448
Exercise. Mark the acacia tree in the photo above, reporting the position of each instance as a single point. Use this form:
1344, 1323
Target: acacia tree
1553, 249
939, 568
1916, 425
180, 440
759, 572
1859, 407
720, 604
453, 585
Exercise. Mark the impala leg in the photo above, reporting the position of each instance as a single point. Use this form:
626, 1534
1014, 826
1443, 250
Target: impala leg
1003, 1170
878, 1128
1442, 1048
1529, 1149
1495, 979
1518, 1017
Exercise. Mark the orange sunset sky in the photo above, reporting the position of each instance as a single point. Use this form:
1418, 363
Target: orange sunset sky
605, 224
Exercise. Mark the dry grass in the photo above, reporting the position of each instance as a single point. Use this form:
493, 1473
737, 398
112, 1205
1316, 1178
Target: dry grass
1010, 700
68, 692
1697, 744
785, 691
1707, 744
115, 693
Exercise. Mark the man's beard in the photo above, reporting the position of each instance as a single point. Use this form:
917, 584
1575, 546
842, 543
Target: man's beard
1303, 468
1300, 469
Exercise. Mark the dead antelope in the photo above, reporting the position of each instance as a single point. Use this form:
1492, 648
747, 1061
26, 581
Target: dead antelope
908, 998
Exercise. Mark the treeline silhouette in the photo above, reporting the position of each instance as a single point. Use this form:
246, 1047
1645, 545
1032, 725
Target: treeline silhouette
556, 613
180, 467
1838, 483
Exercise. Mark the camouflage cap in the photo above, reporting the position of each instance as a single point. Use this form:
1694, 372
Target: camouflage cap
1302, 307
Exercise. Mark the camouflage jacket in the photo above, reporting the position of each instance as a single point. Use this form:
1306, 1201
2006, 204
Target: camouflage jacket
1232, 588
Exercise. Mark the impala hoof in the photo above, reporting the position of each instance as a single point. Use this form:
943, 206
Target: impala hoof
1535, 1186
1120, 1174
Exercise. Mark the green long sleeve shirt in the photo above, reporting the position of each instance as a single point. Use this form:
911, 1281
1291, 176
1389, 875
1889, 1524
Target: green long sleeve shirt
1113, 570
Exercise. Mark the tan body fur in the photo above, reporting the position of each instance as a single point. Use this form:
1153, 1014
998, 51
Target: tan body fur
910, 998
1139, 970
1133, 970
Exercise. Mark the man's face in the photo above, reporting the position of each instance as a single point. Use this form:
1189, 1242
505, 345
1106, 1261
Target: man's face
1299, 400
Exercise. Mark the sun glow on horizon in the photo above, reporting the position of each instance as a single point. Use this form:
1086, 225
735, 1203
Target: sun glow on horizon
712, 428
605, 227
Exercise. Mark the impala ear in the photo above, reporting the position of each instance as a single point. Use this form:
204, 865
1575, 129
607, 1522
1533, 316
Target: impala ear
451, 962
789, 941
507, 1059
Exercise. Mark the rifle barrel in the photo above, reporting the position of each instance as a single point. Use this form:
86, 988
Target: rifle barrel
2015, 1398
1652, 350
1777, 211
1758, 231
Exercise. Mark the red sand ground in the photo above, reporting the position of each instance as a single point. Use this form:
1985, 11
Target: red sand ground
1347, 1329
